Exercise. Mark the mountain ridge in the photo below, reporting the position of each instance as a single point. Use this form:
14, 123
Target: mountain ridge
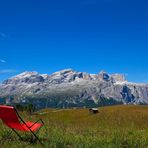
69, 88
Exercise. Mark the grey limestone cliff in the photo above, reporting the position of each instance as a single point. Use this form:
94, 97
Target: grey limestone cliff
69, 88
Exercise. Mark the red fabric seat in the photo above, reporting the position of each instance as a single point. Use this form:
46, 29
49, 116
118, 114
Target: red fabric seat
32, 126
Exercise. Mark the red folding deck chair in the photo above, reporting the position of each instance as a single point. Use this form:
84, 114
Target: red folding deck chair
10, 117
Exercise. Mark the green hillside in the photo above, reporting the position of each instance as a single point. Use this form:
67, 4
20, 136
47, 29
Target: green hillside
113, 127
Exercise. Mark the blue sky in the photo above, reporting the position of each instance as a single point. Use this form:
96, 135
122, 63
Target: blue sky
86, 35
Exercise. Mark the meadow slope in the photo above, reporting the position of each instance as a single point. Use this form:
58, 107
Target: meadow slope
124, 126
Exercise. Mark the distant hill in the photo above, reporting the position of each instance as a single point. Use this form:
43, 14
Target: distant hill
69, 88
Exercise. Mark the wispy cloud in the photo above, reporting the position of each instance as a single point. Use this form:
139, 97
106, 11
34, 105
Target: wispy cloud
7, 71
3, 35
2, 61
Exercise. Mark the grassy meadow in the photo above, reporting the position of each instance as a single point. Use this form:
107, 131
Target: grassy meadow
123, 126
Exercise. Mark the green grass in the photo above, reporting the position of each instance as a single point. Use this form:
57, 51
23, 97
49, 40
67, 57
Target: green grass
113, 127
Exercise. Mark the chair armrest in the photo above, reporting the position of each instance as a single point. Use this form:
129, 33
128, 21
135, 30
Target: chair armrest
37, 122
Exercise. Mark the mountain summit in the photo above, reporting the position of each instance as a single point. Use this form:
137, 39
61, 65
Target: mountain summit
69, 88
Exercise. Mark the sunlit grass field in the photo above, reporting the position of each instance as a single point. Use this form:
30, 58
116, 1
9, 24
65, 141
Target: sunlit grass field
124, 126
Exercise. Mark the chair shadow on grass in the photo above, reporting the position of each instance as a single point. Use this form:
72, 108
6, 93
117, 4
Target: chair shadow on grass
25, 138
5, 136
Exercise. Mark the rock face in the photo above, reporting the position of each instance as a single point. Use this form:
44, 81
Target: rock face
69, 88
104, 76
118, 77
25, 77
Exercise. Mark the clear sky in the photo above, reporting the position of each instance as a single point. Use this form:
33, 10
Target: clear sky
86, 35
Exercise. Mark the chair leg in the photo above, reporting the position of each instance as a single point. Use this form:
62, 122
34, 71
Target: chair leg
36, 137
34, 134
9, 133
31, 132
18, 134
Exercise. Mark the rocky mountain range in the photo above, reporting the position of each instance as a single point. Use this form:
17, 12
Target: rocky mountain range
69, 88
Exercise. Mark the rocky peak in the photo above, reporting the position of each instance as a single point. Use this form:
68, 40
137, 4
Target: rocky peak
86, 76
103, 76
25, 77
26, 74
64, 72
94, 76
118, 77
66, 75
45, 76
